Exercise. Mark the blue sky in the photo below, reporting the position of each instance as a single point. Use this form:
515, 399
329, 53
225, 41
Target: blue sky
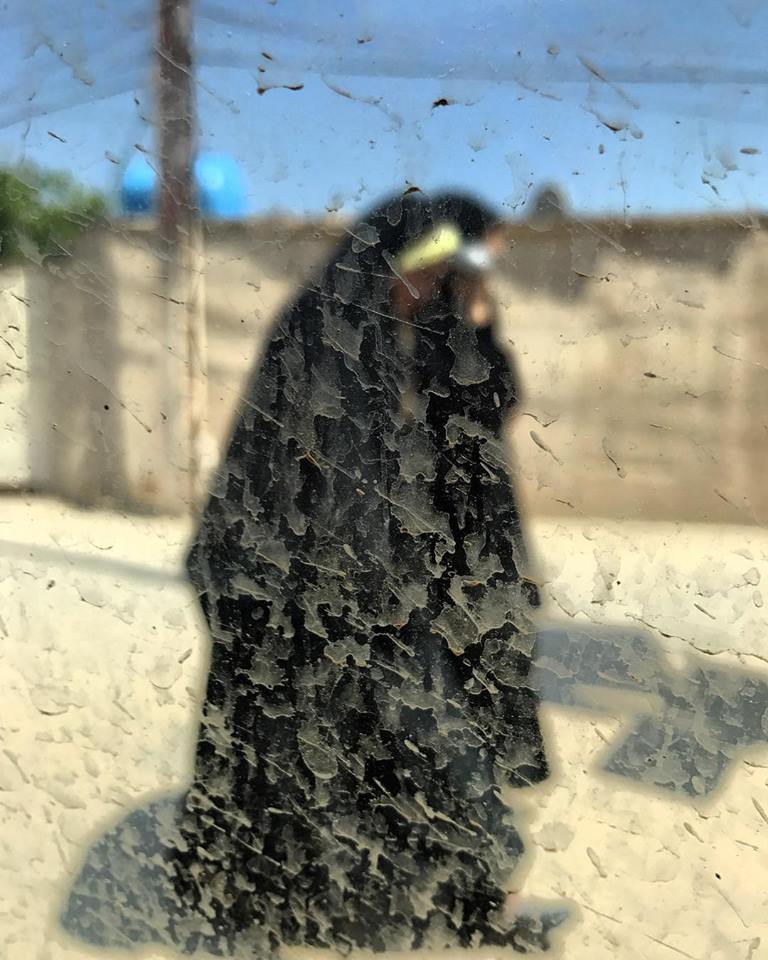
630, 108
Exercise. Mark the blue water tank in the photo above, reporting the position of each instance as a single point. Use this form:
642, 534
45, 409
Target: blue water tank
218, 179
137, 190
220, 185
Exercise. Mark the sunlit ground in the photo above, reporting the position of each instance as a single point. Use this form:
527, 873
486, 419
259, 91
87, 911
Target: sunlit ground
102, 660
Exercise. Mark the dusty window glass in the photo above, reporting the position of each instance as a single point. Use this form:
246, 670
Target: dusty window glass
383, 414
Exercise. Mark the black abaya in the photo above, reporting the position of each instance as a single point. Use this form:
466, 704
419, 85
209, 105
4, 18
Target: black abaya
360, 566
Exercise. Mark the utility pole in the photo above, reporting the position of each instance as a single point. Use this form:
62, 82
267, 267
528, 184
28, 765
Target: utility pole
181, 254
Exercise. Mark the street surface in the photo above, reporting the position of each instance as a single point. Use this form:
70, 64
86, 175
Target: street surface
103, 655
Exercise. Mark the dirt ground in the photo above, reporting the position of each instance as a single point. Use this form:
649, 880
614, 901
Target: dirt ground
103, 659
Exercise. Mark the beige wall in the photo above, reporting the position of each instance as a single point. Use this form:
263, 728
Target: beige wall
15, 452
641, 348
651, 369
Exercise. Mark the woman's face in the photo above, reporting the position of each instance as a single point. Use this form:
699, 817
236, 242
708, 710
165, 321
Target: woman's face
469, 291
474, 304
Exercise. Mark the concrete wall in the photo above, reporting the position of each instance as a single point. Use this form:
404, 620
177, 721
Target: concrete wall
642, 349
645, 355
97, 334
15, 452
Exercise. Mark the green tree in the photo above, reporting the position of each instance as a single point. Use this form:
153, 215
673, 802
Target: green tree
41, 211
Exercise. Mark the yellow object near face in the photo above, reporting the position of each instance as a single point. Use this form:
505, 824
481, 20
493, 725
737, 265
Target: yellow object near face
422, 264
440, 244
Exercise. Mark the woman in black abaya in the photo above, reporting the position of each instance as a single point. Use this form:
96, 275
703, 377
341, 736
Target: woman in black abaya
361, 569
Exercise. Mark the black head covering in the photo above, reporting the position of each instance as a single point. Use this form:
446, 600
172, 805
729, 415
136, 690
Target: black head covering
472, 216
